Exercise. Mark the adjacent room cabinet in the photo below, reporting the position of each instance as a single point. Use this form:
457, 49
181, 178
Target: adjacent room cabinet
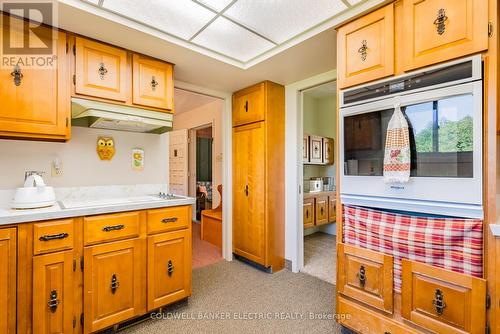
8, 267
35, 98
258, 174
319, 209
317, 150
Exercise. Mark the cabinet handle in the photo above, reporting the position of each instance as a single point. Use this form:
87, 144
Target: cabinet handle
246, 190
114, 283
246, 106
53, 301
362, 276
113, 228
438, 301
440, 20
154, 83
169, 220
321, 209
17, 75
307, 213
363, 50
170, 268
102, 71
53, 236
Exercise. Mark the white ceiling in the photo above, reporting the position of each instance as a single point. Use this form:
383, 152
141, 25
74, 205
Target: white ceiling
186, 100
326, 89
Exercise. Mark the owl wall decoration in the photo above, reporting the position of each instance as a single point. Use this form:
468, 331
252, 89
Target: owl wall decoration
105, 148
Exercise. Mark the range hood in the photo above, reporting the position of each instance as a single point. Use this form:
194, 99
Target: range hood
100, 115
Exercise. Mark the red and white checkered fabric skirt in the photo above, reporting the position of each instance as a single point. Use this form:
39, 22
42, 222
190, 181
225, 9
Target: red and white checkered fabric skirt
449, 243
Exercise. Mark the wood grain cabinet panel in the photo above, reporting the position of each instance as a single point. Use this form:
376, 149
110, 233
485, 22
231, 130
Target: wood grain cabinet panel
53, 236
169, 268
366, 48
332, 209
8, 265
37, 105
443, 301
328, 153
439, 30
109, 227
114, 287
101, 70
168, 219
316, 149
308, 212
366, 276
321, 210
248, 105
153, 84
53, 293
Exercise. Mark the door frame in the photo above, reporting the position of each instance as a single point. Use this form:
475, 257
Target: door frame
227, 194
294, 197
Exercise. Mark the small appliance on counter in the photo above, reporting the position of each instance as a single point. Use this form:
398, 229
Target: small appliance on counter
327, 183
35, 193
315, 184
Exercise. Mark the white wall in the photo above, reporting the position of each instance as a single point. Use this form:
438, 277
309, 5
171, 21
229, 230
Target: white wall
210, 113
81, 165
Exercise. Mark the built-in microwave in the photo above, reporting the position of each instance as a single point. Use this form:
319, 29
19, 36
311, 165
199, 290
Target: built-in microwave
443, 108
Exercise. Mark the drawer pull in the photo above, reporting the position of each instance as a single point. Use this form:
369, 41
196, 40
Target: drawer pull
440, 20
307, 214
102, 71
114, 283
53, 301
113, 228
246, 106
438, 302
17, 75
363, 50
169, 220
154, 83
362, 276
53, 236
170, 268
322, 211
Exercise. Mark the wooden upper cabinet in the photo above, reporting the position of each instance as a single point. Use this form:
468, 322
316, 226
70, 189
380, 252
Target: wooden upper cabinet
101, 70
35, 99
366, 48
248, 105
8, 291
152, 83
439, 30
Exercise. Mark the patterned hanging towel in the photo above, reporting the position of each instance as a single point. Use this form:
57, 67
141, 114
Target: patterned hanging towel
397, 149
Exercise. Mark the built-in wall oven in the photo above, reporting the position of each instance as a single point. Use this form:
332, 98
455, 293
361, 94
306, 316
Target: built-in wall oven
443, 108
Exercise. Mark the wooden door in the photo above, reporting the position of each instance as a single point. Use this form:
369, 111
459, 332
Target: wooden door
439, 30
114, 287
249, 221
53, 293
101, 70
366, 48
37, 105
332, 208
308, 212
179, 160
153, 84
248, 105
8, 264
321, 210
443, 301
169, 268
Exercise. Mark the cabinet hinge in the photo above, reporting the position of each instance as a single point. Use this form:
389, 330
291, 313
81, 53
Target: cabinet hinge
490, 29
81, 319
74, 49
74, 79
74, 261
81, 263
488, 302
74, 321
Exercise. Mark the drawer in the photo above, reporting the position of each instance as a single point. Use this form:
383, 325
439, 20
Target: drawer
366, 276
53, 236
115, 226
248, 105
321, 210
168, 219
363, 320
441, 300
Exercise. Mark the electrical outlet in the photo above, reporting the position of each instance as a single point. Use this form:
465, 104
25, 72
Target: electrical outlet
57, 168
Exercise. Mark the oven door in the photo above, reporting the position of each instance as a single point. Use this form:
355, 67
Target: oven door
445, 128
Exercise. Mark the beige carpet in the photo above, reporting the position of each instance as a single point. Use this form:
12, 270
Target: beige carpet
320, 256
288, 302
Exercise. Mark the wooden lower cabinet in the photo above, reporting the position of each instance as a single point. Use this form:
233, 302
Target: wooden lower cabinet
332, 208
321, 208
113, 283
308, 212
169, 268
8, 263
53, 293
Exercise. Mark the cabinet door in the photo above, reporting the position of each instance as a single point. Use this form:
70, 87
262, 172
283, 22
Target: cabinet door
366, 48
305, 149
308, 212
37, 105
53, 293
152, 83
248, 105
321, 210
332, 208
316, 149
8, 280
113, 283
169, 267
249, 221
328, 151
101, 70
438, 30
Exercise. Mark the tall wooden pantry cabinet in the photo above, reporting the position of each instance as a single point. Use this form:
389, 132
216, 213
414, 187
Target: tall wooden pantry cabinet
258, 174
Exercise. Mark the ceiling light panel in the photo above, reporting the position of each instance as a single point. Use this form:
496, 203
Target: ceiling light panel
281, 20
217, 5
231, 40
181, 18
353, 2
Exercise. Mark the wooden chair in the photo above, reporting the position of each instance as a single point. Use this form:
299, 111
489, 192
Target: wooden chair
211, 223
